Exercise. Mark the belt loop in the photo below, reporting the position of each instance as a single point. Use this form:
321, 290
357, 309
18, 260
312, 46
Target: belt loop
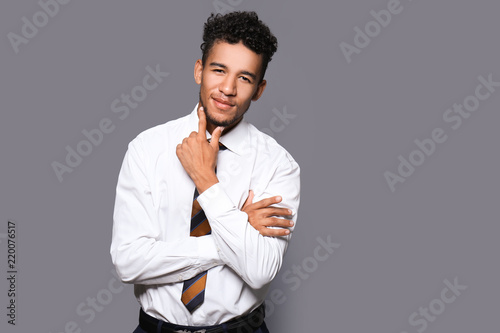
158, 327
224, 327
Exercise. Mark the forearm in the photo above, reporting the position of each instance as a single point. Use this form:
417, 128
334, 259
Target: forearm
257, 259
144, 260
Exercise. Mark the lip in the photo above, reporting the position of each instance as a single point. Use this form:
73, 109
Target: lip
222, 104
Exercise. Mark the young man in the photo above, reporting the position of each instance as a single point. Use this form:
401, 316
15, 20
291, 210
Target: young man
205, 204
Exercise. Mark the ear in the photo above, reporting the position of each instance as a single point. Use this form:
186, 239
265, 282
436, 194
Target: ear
259, 91
198, 71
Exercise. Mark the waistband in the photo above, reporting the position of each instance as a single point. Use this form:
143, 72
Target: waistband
242, 324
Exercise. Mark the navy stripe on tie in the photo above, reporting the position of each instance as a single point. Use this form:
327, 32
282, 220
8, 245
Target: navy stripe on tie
198, 219
189, 283
197, 300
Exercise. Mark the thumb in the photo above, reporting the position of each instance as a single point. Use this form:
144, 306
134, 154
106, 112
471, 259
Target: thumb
214, 141
249, 200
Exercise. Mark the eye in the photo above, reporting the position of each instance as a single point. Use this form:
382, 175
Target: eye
218, 70
246, 79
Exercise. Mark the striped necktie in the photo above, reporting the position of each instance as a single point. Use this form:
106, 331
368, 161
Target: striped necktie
193, 291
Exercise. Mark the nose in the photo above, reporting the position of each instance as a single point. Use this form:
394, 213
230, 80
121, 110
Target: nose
228, 86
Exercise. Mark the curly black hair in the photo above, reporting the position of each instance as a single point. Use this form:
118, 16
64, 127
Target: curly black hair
235, 27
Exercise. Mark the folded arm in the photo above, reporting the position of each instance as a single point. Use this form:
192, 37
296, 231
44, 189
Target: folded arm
254, 257
137, 251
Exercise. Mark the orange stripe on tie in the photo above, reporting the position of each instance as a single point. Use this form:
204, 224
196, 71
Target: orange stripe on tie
196, 208
202, 229
194, 290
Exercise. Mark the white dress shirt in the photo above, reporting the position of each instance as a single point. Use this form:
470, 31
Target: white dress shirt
151, 246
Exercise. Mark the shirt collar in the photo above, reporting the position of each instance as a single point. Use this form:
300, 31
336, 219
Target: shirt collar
235, 140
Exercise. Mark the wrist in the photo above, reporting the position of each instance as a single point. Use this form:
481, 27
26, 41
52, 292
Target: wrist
204, 181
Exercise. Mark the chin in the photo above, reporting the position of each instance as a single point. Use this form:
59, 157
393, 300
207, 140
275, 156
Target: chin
217, 120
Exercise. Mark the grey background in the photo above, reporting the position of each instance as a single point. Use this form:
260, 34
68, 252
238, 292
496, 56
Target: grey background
352, 122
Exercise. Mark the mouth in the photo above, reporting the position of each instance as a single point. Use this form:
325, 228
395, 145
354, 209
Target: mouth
222, 104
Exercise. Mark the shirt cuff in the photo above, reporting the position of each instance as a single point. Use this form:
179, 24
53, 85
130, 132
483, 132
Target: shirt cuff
207, 249
214, 201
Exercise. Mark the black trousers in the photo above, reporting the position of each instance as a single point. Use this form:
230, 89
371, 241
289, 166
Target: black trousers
245, 324
261, 329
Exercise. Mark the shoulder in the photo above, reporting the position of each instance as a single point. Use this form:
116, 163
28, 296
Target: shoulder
269, 151
164, 131
274, 171
160, 137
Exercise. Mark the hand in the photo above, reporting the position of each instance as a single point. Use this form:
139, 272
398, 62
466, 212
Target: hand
199, 157
262, 216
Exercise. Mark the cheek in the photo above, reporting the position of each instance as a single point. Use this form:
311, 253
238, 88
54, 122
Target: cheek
204, 92
210, 81
246, 95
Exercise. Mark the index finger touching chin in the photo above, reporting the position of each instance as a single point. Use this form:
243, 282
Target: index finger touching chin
202, 123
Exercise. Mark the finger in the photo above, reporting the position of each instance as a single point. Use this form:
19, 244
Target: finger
267, 202
274, 232
249, 200
216, 136
281, 223
202, 123
276, 211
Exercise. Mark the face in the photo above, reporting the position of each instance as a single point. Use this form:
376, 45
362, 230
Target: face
229, 82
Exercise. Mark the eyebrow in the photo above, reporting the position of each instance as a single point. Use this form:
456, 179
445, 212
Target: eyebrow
216, 64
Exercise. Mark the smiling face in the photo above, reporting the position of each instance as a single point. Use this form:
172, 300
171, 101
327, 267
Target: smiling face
229, 81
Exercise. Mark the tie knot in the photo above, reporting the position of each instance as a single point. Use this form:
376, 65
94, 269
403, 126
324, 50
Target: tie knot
222, 147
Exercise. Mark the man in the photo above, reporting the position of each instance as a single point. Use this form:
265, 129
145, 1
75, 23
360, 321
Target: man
205, 204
